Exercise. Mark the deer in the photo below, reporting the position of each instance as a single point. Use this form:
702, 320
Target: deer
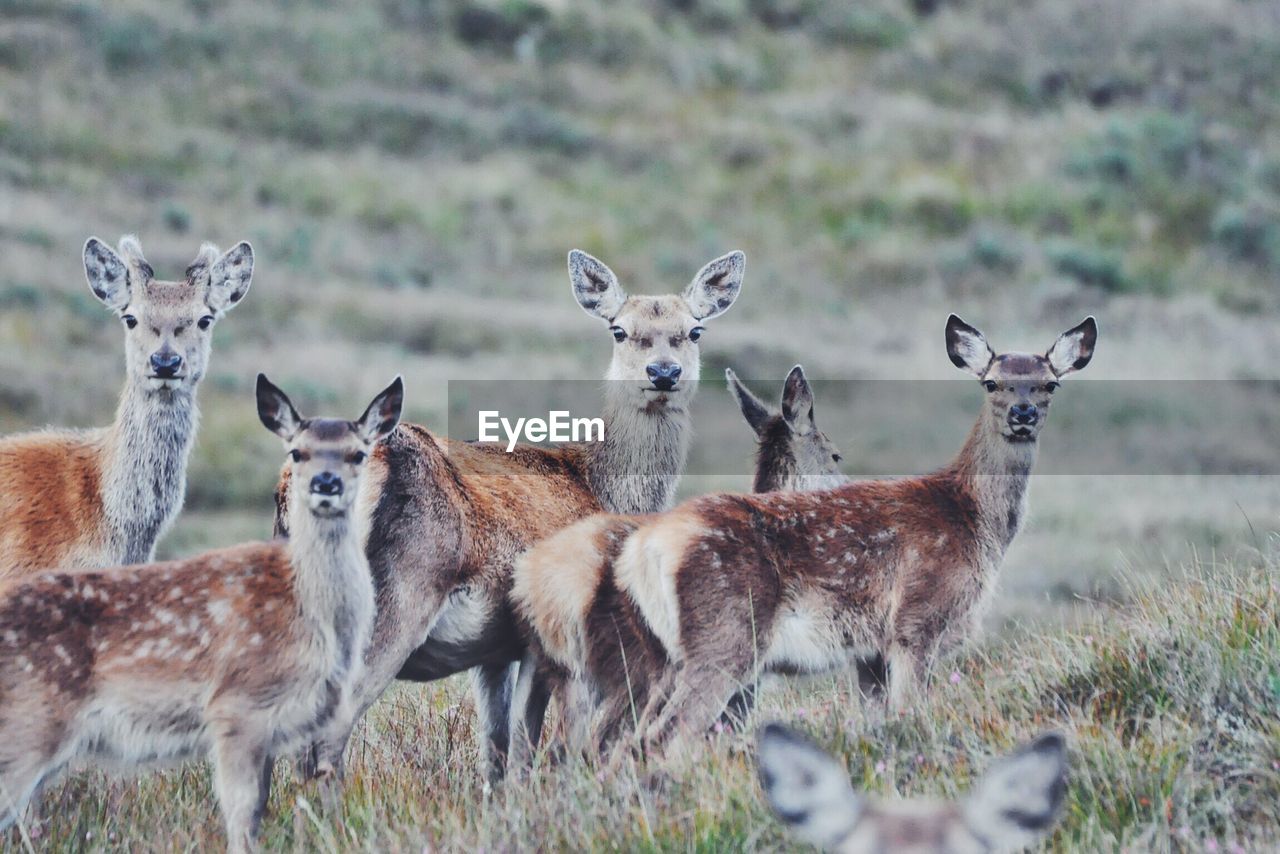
237, 654
450, 517
583, 639
737, 586
103, 497
1013, 805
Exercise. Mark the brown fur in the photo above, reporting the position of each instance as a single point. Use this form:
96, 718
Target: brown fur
52, 500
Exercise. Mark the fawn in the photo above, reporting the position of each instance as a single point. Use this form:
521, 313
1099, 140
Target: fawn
586, 640
450, 517
1012, 806
238, 654
733, 586
105, 497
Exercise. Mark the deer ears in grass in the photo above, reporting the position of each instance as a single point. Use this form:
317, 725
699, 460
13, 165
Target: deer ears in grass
1074, 348
967, 347
383, 413
276, 411
229, 275
797, 402
716, 286
807, 788
108, 273
595, 287
753, 408
1020, 796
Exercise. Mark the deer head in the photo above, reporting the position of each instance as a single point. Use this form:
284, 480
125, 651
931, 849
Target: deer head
793, 453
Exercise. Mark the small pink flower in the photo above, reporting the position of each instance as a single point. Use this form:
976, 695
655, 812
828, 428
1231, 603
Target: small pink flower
1184, 831
35, 831
919, 758
1237, 848
1088, 640
719, 727
1211, 845
800, 713
955, 677
880, 767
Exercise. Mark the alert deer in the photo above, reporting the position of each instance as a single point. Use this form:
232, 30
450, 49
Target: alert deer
450, 517
105, 497
587, 645
733, 586
238, 654
1015, 803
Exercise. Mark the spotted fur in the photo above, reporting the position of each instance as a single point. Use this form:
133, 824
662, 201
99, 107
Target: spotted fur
586, 639
1015, 803
236, 654
451, 517
104, 497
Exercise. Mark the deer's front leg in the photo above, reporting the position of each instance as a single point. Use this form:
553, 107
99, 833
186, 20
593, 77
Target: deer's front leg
492, 685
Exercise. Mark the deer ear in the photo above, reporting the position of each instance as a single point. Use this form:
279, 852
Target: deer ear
383, 413
107, 275
1018, 800
753, 408
229, 277
595, 287
1074, 348
808, 789
716, 286
797, 402
276, 411
967, 347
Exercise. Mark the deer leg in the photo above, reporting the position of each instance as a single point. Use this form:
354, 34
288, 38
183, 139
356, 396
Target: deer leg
906, 666
528, 711
740, 705
699, 697
492, 687
242, 786
20, 781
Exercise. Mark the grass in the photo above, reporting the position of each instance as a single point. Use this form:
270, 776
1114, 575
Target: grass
1171, 705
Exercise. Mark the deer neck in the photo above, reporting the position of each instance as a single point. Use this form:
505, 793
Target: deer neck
637, 466
996, 473
332, 585
145, 467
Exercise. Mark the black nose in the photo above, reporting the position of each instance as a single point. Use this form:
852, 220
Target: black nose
326, 483
1023, 413
664, 375
165, 365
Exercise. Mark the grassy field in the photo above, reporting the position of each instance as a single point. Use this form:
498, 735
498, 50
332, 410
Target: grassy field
411, 174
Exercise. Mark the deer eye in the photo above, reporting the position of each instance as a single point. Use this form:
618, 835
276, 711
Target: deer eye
619, 334
129, 320
990, 385
835, 458
295, 455
205, 322
358, 457
1051, 386
695, 333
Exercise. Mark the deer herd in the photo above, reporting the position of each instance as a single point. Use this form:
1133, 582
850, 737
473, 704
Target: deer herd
562, 574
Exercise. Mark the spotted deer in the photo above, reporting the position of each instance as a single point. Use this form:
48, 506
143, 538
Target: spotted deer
237, 654
450, 517
1013, 805
584, 639
734, 586
104, 497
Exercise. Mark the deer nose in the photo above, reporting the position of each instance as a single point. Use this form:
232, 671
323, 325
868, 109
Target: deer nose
326, 483
1023, 413
165, 364
664, 375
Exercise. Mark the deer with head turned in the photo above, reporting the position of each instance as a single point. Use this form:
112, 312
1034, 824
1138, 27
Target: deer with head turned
586, 645
237, 654
1013, 805
733, 586
105, 497
450, 517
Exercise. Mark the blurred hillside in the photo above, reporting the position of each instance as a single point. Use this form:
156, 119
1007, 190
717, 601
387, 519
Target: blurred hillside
412, 172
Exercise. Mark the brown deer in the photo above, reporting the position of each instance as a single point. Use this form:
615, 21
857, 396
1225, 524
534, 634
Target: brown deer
105, 497
583, 638
450, 517
1012, 806
238, 654
733, 586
